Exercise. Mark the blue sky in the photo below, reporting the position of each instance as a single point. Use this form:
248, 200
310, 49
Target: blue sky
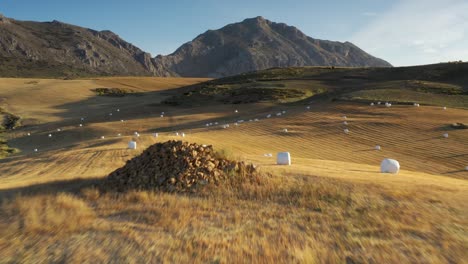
403, 32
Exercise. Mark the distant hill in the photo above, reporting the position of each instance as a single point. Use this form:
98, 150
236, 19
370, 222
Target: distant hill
257, 44
443, 84
59, 49
56, 49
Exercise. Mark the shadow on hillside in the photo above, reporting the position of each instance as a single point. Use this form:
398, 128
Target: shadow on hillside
97, 109
457, 155
371, 171
365, 150
427, 139
453, 172
68, 186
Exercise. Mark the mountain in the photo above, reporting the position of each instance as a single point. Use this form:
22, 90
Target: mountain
56, 49
256, 44
59, 49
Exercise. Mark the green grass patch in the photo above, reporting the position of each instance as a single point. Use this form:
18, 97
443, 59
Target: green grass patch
434, 87
284, 91
114, 92
8, 120
5, 150
407, 96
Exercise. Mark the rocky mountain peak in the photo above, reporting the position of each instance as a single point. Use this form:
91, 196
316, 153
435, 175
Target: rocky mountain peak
255, 20
4, 19
256, 44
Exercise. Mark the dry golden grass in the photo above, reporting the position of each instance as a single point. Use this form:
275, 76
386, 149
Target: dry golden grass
331, 206
44, 214
286, 218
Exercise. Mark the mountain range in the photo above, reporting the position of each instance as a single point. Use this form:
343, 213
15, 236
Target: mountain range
56, 49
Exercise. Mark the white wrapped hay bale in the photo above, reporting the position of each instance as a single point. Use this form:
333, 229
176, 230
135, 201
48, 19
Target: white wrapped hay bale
346, 131
378, 147
389, 166
345, 123
308, 107
371, 104
182, 134
132, 145
283, 158
50, 135
416, 104
466, 168
103, 137
445, 108
285, 130
36, 150
445, 135
155, 135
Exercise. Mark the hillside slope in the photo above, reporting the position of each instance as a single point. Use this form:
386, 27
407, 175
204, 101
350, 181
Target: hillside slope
256, 44
58, 49
331, 205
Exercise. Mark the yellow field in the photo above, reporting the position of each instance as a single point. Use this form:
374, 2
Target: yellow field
419, 215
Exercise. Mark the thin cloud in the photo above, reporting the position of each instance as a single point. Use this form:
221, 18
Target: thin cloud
369, 14
429, 50
418, 32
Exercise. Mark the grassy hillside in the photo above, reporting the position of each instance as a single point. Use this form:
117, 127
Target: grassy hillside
438, 84
331, 205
